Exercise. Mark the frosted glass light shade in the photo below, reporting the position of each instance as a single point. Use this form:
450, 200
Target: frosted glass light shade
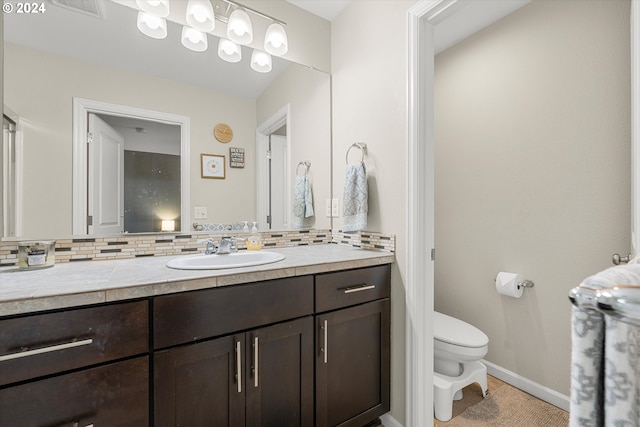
229, 51
260, 61
155, 7
152, 26
200, 15
194, 39
275, 40
239, 28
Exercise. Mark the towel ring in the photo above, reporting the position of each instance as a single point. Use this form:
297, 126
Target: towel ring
306, 164
361, 146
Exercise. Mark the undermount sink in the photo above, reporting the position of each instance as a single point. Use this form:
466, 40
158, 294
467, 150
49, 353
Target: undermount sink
232, 260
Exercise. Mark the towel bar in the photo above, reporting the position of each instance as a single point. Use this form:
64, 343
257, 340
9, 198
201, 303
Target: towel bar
620, 302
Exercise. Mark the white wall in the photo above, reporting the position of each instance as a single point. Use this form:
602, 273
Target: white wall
532, 173
369, 45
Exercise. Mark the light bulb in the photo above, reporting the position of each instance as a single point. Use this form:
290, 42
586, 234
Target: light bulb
260, 61
152, 26
200, 15
229, 51
155, 7
239, 28
275, 39
194, 39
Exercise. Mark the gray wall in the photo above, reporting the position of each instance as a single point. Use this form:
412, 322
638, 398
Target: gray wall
532, 173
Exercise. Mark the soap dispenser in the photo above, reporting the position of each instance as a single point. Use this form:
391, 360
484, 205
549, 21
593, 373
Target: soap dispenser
254, 243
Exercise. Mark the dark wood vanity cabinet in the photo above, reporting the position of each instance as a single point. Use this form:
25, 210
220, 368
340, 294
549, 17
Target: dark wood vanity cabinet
249, 376
353, 342
262, 377
79, 367
300, 351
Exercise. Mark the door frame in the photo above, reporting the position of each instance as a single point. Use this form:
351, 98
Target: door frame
81, 109
273, 123
423, 18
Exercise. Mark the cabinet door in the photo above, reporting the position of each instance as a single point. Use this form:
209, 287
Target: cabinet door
116, 394
352, 365
200, 384
280, 375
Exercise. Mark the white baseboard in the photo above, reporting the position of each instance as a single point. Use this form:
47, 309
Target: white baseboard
541, 392
389, 421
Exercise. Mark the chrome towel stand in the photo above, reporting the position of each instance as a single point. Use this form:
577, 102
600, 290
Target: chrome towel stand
359, 145
620, 302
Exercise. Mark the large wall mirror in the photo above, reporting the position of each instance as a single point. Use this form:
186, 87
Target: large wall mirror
66, 69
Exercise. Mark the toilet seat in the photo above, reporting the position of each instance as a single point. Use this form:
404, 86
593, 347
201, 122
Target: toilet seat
455, 332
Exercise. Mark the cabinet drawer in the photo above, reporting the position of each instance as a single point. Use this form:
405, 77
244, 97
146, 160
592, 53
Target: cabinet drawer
43, 344
192, 316
116, 394
351, 287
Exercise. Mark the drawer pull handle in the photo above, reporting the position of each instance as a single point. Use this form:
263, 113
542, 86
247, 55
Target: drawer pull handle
255, 362
363, 287
239, 365
49, 349
325, 328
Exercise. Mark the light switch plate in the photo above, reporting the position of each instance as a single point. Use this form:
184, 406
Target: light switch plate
334, 208
199, 213
328, 208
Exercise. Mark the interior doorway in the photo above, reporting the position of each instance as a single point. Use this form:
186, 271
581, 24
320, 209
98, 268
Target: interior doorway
273, 148
131, 174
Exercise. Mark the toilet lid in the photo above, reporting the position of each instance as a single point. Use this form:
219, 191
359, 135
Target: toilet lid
454, 331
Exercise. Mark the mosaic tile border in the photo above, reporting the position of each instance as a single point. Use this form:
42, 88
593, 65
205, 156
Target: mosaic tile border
123, 247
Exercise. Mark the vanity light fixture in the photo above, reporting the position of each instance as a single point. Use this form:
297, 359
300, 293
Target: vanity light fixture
275, 40
229, 51
239, 28
200, 15
159, 8
194, 39
152, 26
260, 61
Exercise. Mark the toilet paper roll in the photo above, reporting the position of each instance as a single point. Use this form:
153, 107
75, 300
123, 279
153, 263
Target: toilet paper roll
507, 284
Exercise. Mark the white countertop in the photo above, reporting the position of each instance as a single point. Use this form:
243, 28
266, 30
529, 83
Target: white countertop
82, 283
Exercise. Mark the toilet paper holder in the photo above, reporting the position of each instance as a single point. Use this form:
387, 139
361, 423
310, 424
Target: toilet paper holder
525, 284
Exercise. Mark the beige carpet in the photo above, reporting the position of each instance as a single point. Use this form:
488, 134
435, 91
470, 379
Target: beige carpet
510, 407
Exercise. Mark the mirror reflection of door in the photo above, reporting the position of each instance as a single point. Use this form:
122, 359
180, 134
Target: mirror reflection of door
277, 180
133, 175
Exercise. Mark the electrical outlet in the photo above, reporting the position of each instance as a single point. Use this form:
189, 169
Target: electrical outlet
200, 213
334, 208
328, 208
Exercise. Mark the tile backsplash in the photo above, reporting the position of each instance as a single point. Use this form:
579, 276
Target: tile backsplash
133, 246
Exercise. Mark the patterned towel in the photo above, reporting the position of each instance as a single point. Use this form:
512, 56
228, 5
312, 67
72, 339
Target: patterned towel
605, 360
302, 201
355, 204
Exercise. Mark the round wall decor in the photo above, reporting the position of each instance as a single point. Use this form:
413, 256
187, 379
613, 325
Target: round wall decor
223, 132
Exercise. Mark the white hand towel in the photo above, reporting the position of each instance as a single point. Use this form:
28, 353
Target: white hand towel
302, 201
355, 205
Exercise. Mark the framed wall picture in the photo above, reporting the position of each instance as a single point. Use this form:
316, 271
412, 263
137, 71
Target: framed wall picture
212, 166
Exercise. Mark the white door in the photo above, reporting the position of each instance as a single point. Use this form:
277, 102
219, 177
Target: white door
105, 208
278, 182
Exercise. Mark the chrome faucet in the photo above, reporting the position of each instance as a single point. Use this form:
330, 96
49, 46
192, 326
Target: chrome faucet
227, 245
211, 248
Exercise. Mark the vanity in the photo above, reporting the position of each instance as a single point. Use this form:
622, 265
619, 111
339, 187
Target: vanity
302, 342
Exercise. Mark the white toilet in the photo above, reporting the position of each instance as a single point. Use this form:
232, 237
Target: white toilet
458, 348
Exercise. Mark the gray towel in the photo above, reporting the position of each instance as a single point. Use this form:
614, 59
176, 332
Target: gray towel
302, 201
605, 360
355, 205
